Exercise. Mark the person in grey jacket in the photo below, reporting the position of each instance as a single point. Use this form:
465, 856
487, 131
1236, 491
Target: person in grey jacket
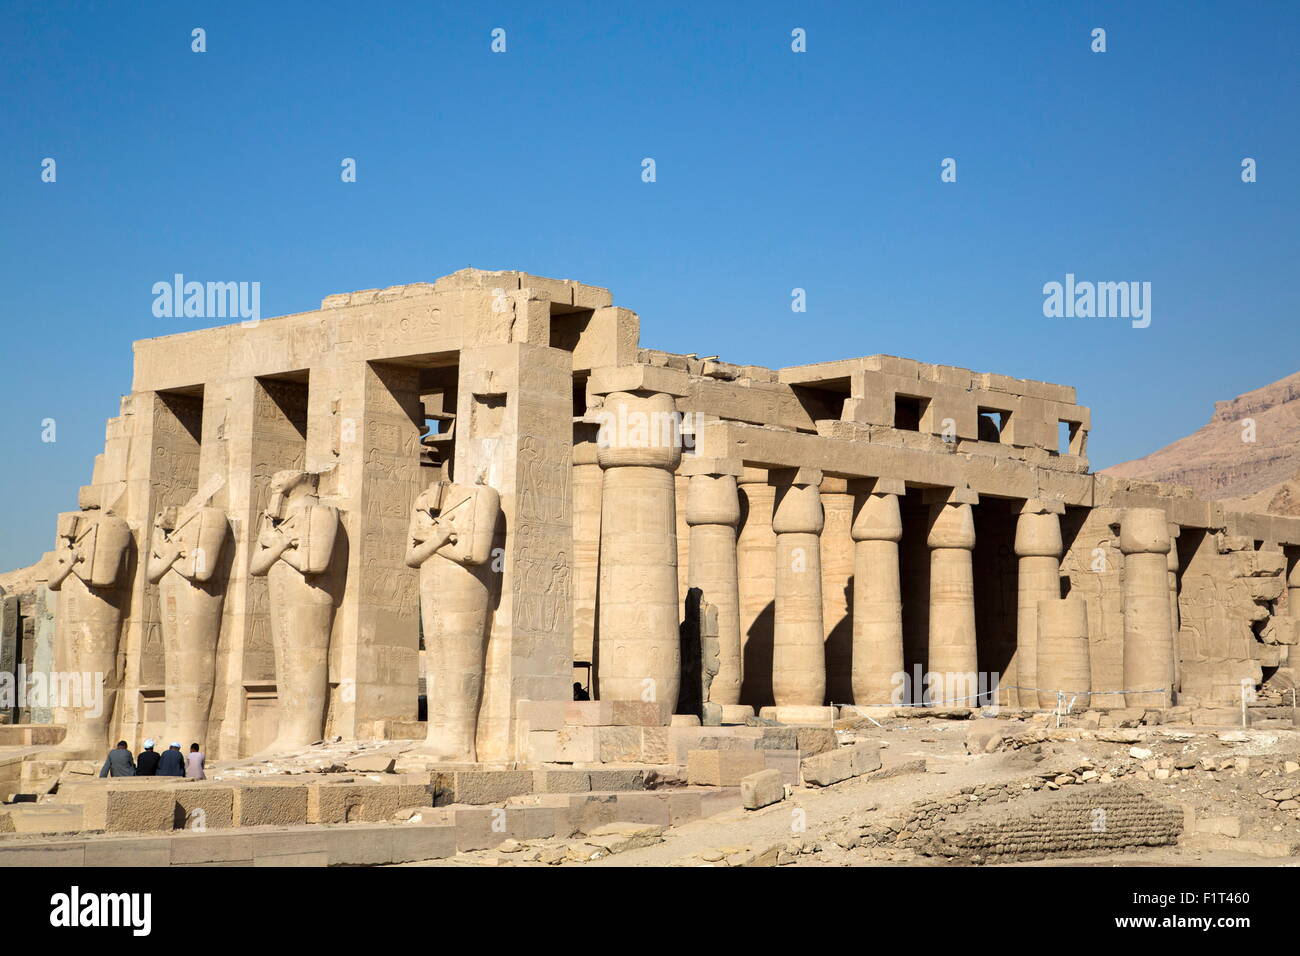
119, 762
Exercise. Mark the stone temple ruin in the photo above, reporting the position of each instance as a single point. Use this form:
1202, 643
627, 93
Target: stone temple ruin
463, 566
452, 502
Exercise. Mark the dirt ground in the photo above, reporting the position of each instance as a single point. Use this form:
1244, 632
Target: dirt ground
1215, 775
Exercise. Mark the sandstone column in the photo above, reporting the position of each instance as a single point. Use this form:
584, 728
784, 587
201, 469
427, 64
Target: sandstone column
1293, 590
756, 563
1171, 567
1148, 634
712, 513
877, 594
1038, 548
798, 648
587, 482
1063, 656
639, 657
952, 657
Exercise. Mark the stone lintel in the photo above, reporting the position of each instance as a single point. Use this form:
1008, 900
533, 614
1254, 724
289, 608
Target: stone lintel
710, 466
795, 476
639, 378
877, 486
950, 496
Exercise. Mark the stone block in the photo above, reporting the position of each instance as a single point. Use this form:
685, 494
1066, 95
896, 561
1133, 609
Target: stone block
269, 805
618, 779
543, 714
655, 745
194, 848
588, 713
722, 768
618, 744
561, 780
640, 713
762, 789
361, 802
824, 769
129, 853
480, 786
204, 807
129, 810
816, 740
865, 756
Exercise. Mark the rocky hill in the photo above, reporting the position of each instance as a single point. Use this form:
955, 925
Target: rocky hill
1248, 454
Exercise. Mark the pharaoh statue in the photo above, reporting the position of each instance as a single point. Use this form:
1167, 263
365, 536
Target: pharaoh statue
88, 571
183, 560
295, 546
450, 541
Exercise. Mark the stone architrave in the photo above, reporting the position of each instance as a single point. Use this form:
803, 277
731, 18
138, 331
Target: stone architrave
450, 541
295, 550
183, 562
88, 573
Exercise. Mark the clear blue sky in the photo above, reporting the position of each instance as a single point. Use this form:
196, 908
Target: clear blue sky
776, 170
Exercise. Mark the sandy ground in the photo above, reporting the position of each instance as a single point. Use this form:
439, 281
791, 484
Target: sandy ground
814, 818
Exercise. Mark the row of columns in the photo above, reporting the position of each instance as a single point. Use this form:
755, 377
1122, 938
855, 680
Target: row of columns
638, 651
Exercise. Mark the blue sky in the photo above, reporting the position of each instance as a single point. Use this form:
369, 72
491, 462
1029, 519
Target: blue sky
775, 170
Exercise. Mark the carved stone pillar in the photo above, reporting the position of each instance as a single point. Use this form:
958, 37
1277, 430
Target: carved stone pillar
1148, 632
953, 658
1063, 657
1293, 590
756, 563
713, 512
1171, 566
798, 648
877, 595
639, 657
1038, 548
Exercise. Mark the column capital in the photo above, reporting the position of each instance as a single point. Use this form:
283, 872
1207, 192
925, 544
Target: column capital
798, 510
711, 498
640, 429
952, 525
1038, 535
1144, 531
878, 518
1043, 506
